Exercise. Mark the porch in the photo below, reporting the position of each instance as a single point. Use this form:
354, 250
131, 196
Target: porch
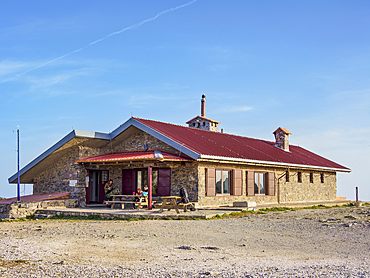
155, 214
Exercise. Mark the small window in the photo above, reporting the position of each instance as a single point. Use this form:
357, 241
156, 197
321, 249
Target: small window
204, 123
104, 176
193, 124
287, 176
299, 176
322, 177
259, 183
222, 182
311, 177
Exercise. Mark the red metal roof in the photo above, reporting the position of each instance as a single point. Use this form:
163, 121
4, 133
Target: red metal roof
231, 146
37, 197
135, 156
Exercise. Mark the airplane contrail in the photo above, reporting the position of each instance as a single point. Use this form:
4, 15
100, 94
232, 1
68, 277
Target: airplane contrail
136, 25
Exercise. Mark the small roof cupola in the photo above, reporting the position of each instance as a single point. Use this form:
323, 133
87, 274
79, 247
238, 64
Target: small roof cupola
202, 122
282, 138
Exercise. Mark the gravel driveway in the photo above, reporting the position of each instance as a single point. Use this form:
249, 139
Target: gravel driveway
330, 242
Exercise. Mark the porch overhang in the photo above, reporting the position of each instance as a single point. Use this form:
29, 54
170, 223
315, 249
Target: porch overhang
138, 156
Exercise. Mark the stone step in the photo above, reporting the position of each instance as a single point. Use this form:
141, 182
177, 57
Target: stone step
42, 215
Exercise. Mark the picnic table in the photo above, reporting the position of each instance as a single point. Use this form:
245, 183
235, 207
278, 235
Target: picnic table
171, 202
128, 199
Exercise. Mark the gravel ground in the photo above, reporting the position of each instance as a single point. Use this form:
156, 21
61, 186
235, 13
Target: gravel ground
330, 242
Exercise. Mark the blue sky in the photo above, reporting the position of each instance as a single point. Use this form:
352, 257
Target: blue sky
90, 65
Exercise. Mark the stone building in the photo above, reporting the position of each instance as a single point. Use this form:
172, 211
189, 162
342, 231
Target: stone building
216, 168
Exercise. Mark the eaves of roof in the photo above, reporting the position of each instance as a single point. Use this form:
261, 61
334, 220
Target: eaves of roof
153, 155
205, 118
73, 134
272, 163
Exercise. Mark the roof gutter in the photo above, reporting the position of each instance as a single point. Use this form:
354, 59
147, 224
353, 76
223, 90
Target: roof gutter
232, 159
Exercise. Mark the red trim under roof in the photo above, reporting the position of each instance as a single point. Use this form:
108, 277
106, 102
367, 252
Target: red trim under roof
134, 156
218, 144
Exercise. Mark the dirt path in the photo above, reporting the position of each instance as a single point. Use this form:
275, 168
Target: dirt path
331, 242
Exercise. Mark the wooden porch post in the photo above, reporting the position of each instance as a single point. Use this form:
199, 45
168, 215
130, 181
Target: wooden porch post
149, 187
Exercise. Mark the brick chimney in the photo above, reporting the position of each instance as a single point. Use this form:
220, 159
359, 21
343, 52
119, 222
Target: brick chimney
203, 106
282, 138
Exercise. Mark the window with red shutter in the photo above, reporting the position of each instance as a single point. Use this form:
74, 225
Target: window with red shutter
210, 182
237, 184
250, 183
270, 183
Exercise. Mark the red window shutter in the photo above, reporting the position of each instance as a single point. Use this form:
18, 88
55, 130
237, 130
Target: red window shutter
164, 182
270, 184
250, 183
128, 182
210, 182
237, 186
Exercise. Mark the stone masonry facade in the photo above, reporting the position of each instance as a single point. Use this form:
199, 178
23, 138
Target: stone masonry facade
190, 174
285, 192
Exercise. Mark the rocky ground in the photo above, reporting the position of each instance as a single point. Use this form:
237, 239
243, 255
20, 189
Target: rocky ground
329, 242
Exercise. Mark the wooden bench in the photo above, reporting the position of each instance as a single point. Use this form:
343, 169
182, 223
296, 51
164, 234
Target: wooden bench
128, 199
170, 202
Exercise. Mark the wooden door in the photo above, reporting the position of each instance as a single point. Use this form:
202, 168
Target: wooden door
128, 182
164, 182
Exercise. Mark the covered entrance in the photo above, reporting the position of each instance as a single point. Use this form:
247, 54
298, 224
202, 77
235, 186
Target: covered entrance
157, 179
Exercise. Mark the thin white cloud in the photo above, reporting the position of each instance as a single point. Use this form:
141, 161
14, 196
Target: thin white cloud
234, 109
136, 25
8, 67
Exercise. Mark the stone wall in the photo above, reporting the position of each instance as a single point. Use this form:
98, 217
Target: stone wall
223, 200
57, 177
285, 192
185, 175
136, 143
21, 209
305, 191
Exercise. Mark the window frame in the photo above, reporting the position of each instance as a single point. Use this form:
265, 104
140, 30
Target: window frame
311, 177
299, 177
222, 170
265, 177
144, 179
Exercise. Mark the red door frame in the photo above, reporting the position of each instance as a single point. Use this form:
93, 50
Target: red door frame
101, 186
